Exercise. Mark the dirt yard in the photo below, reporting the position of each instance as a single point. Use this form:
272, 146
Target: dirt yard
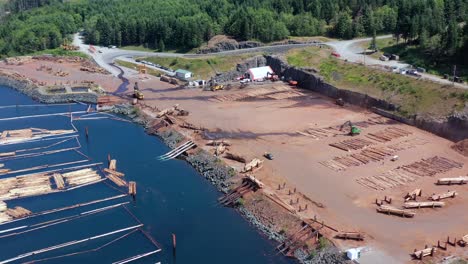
292, 125
320, 181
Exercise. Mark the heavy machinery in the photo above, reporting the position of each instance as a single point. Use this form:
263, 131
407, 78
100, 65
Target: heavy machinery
353, 130
217, 87
136, 92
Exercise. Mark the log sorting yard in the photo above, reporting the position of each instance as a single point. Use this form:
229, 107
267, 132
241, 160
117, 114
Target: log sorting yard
39, 198
394, 188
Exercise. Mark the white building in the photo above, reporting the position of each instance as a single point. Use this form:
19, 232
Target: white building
259, 73
183, 74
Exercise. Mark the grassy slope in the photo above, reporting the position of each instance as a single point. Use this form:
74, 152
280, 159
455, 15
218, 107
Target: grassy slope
134, 67
414, 96
61, 52
201, 67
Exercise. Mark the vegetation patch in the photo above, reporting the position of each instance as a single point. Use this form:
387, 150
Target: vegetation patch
134, 66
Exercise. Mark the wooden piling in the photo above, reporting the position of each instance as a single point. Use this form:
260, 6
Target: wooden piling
132, 188
174, 244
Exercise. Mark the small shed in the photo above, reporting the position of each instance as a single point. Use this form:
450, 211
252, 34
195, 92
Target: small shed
259, 73
183, 74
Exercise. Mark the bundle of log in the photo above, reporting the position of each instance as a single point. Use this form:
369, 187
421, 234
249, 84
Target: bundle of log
350, 235
254, 164
449, 181
20, 135
218, 142
118, 181
418, 205
22, 186
445, 195
235, 157
428, 251
17, 212
385, 209
79, 177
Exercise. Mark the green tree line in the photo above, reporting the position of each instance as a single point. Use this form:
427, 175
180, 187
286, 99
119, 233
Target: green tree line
436, 25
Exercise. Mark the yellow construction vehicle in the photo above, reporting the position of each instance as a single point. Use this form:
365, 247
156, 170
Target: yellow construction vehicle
136, 92
217, 87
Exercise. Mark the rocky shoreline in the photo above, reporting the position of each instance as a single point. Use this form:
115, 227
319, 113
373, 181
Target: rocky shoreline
220, 175
30, 89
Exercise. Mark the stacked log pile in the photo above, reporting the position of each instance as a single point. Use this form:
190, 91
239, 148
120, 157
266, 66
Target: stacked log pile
449, 181
17, 212
409, 173
388, 134
352, 144
371, 154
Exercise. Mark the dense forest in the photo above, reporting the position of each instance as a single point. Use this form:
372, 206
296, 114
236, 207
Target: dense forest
435, 25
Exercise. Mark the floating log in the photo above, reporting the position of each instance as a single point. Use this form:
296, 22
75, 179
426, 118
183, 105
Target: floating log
350, 235
235, 157
449, 181
395, 211
113, 165
116, 173
17, 212
3, 206
418, 205
7, 154
119, 182
59, 181
440, 196
132, 188
419, 254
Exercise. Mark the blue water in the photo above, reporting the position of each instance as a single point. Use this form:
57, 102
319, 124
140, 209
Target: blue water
172, 198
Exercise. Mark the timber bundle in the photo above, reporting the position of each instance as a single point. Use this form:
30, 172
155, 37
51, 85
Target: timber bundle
388, 134
41, 183
352, 144
20, 135
409, 173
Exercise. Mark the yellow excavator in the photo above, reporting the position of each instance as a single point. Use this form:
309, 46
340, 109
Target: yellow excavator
136, 92
353, 130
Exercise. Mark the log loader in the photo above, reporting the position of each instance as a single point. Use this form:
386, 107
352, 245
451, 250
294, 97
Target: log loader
353, 130
136, 92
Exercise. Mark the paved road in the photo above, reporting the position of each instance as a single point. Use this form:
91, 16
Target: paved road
352, 51
348, 49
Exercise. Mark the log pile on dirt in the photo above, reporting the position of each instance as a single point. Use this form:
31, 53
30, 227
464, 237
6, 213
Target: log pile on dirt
462, 147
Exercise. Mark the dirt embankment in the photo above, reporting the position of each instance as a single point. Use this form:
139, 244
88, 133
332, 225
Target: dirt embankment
453, 127
462, 147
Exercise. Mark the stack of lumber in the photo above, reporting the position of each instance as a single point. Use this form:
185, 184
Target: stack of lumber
440, 196
3, 206
17, 212
432, 166
22, 186
59, 182
418, 205
80, 177
352, 144
395, 211
448, 181
255, 163
388, 134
